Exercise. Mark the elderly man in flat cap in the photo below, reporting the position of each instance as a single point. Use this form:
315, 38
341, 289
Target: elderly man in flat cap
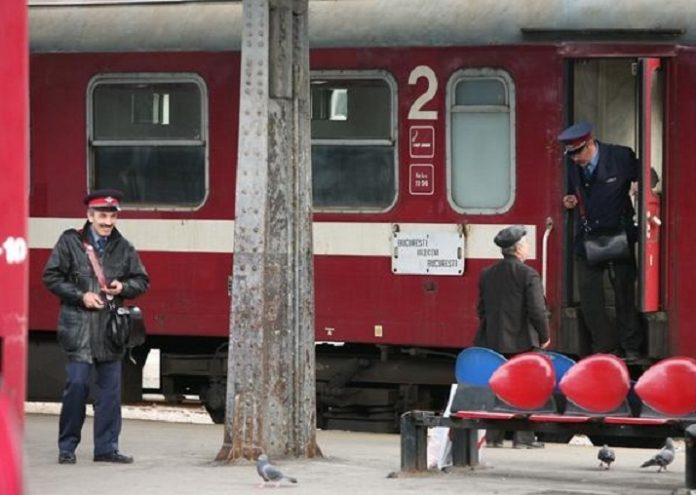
512, 312
601, 179
72, 274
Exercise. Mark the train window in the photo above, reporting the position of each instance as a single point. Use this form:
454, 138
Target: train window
148, 138
481, 140
353, 141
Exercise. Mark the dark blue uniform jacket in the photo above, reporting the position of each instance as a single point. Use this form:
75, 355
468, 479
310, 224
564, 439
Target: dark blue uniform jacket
607, 203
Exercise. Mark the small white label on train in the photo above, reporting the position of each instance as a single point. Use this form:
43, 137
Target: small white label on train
427, 253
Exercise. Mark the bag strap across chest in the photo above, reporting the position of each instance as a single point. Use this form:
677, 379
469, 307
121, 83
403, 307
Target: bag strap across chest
96, 265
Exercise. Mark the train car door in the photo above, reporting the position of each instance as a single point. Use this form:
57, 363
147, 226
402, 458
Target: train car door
650, 123
623, 97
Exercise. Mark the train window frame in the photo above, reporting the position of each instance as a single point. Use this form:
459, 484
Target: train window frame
452, 108
393, 140
150, 78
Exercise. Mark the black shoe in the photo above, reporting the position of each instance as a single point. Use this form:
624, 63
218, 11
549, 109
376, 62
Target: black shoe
533, 445
66, 458
115, 456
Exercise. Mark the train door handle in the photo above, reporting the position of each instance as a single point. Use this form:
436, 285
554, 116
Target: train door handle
651, 219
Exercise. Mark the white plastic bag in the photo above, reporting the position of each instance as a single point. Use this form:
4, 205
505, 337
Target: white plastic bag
439, 442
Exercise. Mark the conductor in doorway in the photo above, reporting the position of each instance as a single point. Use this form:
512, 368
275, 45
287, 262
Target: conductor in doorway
82, 322
601, 179
512, 312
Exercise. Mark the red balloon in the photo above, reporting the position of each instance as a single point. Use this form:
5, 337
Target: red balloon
669, 386
525, 381
598, 383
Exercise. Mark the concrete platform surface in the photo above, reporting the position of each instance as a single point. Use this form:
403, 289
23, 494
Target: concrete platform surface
176, 458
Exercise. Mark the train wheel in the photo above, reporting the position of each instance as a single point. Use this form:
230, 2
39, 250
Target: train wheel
213, 396
217, 415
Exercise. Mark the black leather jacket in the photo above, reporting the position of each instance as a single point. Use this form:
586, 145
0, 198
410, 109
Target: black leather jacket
68, 274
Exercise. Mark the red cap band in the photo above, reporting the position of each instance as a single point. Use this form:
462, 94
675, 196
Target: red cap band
577, 143
104, 202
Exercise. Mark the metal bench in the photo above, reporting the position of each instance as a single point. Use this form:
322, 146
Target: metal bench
596, 392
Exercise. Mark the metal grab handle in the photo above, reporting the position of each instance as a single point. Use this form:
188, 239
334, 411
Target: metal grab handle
651, 219
544, 252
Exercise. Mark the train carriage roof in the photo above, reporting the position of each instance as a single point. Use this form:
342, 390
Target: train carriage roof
171, 25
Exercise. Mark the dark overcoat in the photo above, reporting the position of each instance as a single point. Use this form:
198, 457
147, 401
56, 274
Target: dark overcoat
511, 308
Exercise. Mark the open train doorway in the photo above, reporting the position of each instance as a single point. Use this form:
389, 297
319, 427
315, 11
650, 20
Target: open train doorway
624, 99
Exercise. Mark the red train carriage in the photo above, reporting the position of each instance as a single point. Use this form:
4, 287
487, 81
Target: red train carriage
432, 127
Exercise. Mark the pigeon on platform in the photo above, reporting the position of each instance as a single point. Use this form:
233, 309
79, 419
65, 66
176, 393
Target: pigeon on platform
269, 472
663, 457
606, 456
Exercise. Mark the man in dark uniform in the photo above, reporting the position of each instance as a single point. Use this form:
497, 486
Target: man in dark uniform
82, 323
601, 179
512, 312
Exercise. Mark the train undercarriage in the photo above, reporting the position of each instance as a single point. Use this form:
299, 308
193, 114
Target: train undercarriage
358, 387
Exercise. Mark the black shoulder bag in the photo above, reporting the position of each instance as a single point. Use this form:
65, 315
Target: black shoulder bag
601, 246
125, 325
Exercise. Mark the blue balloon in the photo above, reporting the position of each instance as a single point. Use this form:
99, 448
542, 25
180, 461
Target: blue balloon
475, 365
561, 364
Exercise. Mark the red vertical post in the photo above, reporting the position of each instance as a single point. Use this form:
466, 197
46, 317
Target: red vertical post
14, 251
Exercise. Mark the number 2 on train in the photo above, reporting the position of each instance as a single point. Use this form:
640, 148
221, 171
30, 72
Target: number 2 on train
415, 113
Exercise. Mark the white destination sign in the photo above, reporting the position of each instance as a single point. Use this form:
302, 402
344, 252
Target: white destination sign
428, 253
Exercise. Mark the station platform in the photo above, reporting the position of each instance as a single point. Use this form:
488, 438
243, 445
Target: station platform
177, 458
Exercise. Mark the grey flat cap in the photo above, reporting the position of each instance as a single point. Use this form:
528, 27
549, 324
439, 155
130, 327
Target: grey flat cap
509, 236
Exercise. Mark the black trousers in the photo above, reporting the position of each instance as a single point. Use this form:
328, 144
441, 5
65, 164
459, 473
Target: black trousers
626, 333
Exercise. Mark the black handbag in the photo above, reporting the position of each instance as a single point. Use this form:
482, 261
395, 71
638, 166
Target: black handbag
124, 326
601, 247
118, 326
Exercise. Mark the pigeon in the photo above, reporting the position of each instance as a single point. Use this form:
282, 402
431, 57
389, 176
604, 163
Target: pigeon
606, 456
663, 457
269, 472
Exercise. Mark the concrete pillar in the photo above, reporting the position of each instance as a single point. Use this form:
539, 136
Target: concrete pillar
271, 371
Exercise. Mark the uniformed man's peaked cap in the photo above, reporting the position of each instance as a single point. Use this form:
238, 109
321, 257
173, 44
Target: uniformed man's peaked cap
575, 136
509, 236
104, 199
